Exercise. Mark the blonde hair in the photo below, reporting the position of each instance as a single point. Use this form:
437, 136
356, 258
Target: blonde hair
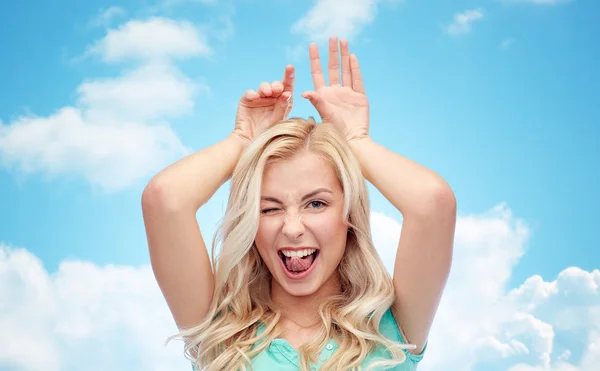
227, 338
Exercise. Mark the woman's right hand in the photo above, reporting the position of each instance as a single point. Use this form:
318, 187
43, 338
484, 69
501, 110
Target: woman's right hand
258, 110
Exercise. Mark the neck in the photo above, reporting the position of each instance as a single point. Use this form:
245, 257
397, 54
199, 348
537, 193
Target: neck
303, 310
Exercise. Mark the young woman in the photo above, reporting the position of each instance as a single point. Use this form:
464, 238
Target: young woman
296, 282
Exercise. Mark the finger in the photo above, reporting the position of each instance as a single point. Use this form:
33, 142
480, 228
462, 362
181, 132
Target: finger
357, 80
250, 95
290, 104
319, 103
346, 74
276, 88
282, 107
334, 63
265, 89
315, 67
289, 78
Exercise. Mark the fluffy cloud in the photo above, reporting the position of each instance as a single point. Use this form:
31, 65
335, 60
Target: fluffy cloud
149, 92
481, 325
115, 317
571, 304
111, 155
154, 38
463, 22
344, 18
82, 317
117, 132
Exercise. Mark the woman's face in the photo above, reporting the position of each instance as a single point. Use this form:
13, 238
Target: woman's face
301, 235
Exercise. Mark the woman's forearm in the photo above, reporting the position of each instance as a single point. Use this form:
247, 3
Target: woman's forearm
413, 189
193, 180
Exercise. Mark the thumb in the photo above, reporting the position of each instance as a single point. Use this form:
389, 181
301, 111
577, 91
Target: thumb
319, 103
282, 107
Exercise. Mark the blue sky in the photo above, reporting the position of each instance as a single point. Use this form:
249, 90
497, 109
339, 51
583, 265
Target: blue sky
500, 97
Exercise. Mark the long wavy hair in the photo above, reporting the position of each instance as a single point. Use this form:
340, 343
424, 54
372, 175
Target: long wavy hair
227, 338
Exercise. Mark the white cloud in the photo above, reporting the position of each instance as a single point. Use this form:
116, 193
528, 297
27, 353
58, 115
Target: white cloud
113, 138
106, 318
148, 92
481, 325
344, 18
111, 155
84, 313
152, 39
116, 134
463, 22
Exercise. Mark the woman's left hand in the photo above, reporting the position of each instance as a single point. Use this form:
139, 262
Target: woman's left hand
344, 104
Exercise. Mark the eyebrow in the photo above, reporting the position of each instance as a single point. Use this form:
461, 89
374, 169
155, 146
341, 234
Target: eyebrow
304, 198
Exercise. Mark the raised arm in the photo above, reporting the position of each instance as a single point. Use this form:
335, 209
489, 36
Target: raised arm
424, 254
424, 199
171, 199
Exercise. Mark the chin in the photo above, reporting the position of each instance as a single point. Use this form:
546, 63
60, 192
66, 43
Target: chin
300, 289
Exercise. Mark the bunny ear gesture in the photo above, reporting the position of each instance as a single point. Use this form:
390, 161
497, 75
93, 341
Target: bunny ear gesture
350, 77
260, 109
282, 110
344, 105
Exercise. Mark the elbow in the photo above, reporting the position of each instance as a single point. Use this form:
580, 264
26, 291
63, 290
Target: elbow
156, 194
441, 200
444, 196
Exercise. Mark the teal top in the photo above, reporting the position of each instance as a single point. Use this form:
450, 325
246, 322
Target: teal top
281, 356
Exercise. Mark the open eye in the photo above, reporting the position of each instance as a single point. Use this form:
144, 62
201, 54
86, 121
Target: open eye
317, 204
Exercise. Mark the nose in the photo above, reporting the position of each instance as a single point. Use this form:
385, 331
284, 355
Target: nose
293, 226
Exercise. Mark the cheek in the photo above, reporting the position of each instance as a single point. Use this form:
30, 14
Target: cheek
265, 236
330, 232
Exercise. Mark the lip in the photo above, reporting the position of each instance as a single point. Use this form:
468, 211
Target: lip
296, 277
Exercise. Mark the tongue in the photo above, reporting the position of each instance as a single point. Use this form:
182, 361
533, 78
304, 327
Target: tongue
297, 264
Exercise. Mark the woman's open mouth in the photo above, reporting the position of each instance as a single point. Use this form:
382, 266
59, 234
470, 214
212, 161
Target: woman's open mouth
298, 263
